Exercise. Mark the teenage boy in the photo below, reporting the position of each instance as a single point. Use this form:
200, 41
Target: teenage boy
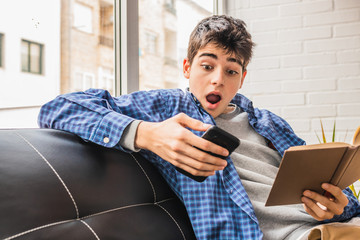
166, 125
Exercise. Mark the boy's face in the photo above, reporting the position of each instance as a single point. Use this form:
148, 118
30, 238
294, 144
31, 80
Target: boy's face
214, 78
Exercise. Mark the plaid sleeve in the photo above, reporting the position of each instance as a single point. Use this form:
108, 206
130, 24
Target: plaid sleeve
96, 116
350, 211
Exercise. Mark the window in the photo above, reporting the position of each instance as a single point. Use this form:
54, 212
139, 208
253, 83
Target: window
83, 18
106, 78
163, 37
48, 37
151, 42
106, 37
170, 6
31, 57
1, 49
83, 54
84, 81
68, 45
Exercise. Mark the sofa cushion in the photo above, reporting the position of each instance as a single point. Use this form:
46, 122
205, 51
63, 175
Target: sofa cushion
54, 185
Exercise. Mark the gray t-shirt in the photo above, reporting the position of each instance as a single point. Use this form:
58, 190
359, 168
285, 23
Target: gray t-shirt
257, 165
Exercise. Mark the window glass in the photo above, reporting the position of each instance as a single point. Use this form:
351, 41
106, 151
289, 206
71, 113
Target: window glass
35, 58
24, 56
69, 42
163, 38
31, 57
84, 56
83, 17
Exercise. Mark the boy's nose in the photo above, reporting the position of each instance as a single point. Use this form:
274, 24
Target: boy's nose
218, 78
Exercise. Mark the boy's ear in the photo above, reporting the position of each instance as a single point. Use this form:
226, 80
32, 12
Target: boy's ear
186, 68
243, 78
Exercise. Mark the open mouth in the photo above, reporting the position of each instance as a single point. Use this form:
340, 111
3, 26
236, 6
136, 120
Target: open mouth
213, 98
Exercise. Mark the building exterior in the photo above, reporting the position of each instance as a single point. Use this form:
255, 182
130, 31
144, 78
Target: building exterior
157, 44
163, 36
87, 52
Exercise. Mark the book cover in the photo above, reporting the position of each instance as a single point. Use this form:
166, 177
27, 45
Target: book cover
307, 167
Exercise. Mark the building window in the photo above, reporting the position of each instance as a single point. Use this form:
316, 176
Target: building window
84, 80
83, 18
170, 6
151, 42
106, 78
1, 49
31, 57
106, 37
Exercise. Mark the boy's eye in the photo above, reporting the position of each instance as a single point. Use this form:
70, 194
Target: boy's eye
207, 67
232, 72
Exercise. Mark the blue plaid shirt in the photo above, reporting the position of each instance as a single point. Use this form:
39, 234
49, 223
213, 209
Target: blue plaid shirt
219, 207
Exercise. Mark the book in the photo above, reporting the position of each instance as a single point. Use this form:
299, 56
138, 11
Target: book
307, 167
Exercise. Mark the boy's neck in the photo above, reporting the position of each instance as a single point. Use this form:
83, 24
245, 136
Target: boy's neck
230, 108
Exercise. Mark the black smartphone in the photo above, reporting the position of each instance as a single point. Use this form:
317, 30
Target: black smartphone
220, 137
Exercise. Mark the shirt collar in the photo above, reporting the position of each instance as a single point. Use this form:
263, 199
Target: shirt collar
197, 102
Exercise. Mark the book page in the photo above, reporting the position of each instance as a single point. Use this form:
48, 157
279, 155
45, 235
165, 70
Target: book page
319, 146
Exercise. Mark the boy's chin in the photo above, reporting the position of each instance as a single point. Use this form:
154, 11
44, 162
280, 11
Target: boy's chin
215, 112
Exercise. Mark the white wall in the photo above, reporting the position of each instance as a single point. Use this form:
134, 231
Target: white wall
37, 21
306, 64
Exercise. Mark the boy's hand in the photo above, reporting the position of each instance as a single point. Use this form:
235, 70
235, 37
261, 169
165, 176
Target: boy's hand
174, 143
321, 207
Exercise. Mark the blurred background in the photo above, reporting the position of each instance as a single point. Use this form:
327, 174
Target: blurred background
306, 65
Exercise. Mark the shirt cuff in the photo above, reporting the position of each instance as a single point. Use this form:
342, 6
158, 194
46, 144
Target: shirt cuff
128, 137
109, 131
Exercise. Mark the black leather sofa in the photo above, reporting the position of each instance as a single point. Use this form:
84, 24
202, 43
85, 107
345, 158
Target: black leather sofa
54, 185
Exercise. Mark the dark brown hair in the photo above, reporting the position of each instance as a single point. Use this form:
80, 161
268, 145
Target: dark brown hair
225, 32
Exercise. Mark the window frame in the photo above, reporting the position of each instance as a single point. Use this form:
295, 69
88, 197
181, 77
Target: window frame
126, 32
41, 51
1, 49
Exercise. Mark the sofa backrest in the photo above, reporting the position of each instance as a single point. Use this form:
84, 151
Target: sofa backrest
54, 185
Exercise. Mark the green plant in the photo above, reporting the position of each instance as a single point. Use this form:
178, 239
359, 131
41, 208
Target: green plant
352, 187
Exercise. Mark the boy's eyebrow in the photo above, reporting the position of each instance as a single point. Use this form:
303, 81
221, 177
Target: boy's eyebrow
235, 60
230, 59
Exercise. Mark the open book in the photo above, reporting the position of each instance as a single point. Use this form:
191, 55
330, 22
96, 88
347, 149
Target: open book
307, 167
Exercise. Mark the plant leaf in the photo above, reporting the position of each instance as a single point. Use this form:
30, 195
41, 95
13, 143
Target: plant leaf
323, 133
353, 189
333, 136
317, 137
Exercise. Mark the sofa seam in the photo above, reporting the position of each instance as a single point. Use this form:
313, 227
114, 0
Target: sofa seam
152, 186
92, 230
125, 207
84, 218
54, 171
182, 233
36, 229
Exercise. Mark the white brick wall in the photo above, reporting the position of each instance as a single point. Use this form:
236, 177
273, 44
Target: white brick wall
306, 64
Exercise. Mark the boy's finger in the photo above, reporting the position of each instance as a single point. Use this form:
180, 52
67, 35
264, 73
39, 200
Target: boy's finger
335, 192
208, 146
318, 211
192, 123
